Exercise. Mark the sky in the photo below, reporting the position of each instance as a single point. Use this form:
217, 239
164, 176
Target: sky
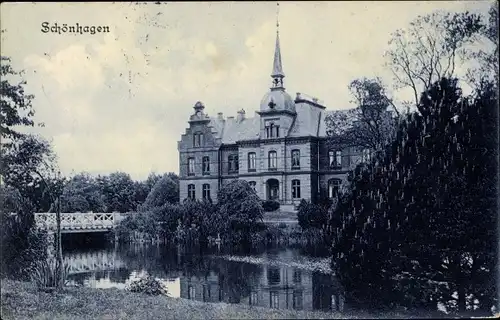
119, 101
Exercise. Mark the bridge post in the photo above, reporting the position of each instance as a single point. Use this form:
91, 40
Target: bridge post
51, 242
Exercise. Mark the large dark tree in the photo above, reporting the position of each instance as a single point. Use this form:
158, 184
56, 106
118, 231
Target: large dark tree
421, 223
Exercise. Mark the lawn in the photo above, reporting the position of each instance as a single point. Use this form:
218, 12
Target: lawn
21, 300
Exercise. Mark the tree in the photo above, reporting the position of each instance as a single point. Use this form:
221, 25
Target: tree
119, 192
239, 209
432, 47
164, 191
403, 230
15, 106
370, 125
487, 54
82, 194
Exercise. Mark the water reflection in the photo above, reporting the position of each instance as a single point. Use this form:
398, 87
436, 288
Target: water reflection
205, 276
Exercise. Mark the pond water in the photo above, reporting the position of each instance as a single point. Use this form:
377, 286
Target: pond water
279, 277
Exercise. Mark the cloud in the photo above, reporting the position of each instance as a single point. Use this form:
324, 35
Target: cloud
121, 100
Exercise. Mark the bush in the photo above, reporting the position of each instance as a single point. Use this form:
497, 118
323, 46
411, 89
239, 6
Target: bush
270, 205
148, 285
23, 245
311, 215
46, 274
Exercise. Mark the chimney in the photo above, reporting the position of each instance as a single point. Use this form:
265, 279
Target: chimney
241, 115
220, 116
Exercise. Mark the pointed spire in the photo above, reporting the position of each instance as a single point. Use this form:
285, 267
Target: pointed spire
277, 74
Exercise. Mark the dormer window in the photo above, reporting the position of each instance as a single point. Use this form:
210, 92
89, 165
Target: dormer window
198, 140
272, 130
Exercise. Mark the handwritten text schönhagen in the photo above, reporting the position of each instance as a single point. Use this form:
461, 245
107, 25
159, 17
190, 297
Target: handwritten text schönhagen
73, 28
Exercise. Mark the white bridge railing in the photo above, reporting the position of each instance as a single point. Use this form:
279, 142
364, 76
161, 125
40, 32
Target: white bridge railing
78, 221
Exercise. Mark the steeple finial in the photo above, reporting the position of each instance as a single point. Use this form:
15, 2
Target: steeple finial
277, 74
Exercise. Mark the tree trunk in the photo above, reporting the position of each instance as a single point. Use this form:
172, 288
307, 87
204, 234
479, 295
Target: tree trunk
60, 269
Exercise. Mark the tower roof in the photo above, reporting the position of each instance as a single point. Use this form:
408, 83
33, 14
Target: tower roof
277, 66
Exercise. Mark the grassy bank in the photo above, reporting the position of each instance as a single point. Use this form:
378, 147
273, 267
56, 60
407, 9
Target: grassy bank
21, 300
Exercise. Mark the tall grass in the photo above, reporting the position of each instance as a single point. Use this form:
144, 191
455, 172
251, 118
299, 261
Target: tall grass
46, 274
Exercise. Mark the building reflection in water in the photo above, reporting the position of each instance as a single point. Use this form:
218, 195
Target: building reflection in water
276, 287
218, 280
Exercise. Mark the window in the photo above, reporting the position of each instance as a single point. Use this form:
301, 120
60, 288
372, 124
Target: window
297, 300
251, 162
191, 167
333, 187
295, 159
273, 160
191, 292
297, 276
191, 192
295, 189
272, 130
273, 276
252, 184
338, 158
274, 300
206, 191
331, 159
198, 139
206, 165
254, 298
365, 155
335, 158
233, 163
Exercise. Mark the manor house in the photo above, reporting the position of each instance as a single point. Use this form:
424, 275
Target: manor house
283, 151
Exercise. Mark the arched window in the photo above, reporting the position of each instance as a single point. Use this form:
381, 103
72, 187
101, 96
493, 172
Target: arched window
251, 162
295, 159
206, 191
252, 184
232, 163
273, 160
296, 189
333, 187
190, 166
206, 165
191, 192
198, 139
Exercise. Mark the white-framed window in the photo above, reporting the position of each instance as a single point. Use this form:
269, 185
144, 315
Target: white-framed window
206, 191
191, 192
206, 165
190, 166
273, 160
296, 189
232, 163
198, 139
272, 130
333, 187
338, 158
295, 159
252, 161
